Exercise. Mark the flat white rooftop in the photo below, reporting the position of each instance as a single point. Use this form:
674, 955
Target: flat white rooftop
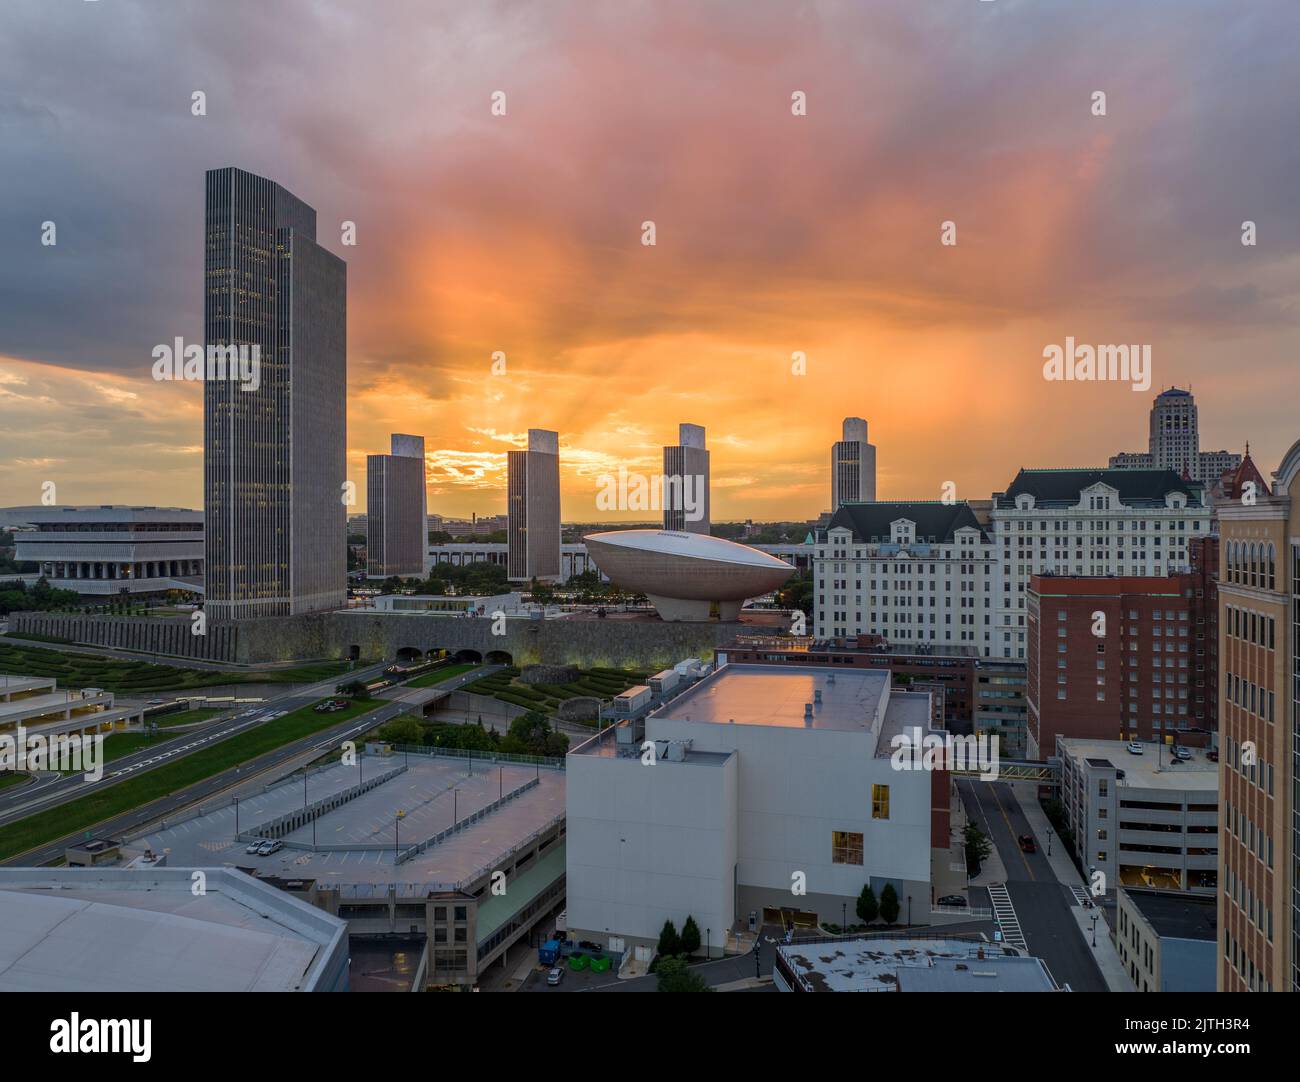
893, 965
776, 696
92, 930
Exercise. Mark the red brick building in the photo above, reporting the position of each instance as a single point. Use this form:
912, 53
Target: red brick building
1120, 658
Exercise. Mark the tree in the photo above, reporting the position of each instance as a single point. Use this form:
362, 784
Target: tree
531, 734
403, 730
669, 944
675, 976
354, 689
978, 847
543, 592
889, 904
868, 909
690, 937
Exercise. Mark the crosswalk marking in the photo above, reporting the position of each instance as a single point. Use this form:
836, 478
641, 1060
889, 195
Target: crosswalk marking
1080, 896
1005, 914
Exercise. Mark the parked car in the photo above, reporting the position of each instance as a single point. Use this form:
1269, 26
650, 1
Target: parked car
1134, 748
269, 847
953, 899
1027, 843
554, 976
1212, 755
255, 845
1182, 754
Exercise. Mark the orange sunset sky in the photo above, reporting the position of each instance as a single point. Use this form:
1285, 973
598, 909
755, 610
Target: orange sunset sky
775, 233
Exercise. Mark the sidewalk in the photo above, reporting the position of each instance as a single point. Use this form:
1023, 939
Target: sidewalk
1112, 969
743, 983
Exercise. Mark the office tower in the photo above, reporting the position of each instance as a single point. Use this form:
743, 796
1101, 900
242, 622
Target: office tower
396, 530
274, 456
1259, 729
853, 465
686, 482
533, 508
1174, 442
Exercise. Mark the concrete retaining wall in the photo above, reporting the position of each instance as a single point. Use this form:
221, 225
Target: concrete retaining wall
646, 644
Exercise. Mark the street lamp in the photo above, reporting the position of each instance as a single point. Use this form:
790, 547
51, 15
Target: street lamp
708, 938
844, 917
397, 822
1094, 929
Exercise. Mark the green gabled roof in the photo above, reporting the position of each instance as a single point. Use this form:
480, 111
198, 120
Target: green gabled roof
934, 519
1063, 486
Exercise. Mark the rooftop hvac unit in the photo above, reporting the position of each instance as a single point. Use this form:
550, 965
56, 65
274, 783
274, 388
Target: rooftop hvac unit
676, 751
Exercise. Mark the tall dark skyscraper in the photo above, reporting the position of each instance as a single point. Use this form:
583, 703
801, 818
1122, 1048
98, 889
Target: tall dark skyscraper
533, 508
686, 499
853, 466
397, 530
274, 464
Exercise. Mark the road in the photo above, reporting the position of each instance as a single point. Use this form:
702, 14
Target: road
1041, 903
254, 773
26, 800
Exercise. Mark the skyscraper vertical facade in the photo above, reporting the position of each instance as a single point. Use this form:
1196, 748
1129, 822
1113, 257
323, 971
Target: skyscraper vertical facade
533, 508
1259, 725
686, 482
274, 456
853, 465
1174, 442
396, 530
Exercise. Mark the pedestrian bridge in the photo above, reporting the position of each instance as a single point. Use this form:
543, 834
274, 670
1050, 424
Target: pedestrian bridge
1044, 773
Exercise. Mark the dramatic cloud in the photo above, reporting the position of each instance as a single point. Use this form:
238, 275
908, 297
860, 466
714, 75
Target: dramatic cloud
775, 233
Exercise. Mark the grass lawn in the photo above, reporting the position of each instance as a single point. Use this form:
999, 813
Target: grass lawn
85, 812
185, 717
118, 744
439, 675
12, 777
143, 677
546, 698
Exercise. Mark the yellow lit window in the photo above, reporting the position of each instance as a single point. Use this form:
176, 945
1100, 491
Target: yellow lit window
880, 802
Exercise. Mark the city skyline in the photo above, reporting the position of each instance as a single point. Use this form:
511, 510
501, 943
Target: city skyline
481, 241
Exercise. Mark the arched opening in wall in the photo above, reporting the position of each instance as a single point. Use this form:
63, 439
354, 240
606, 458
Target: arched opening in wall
436, 653
498, 657
469, 655
410, 653
354, 652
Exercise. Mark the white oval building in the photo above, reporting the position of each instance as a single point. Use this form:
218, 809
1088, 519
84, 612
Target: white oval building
686, 574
